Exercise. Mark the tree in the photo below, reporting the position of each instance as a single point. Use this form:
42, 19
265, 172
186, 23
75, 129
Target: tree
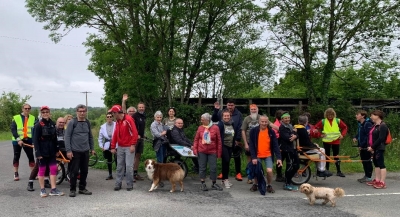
10, 105
325, 34
157, 48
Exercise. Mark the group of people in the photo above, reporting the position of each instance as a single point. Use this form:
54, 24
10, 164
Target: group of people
218, 136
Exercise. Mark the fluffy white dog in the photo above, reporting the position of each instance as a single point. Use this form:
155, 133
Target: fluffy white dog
328, 194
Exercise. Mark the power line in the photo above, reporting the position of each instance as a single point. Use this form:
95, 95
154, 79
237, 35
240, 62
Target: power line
38, 90
42, 42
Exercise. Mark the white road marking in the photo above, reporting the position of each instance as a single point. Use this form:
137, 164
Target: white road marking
364, 195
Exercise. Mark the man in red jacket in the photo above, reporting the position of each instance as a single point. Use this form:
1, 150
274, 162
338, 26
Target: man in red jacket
125, 135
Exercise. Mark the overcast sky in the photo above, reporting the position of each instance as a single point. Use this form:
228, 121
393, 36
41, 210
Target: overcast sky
31, 64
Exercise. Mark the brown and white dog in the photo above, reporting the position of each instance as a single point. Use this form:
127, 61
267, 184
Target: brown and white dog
328, 194
160, 172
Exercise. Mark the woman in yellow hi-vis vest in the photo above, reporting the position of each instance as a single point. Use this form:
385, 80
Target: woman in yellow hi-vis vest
333, 130
21, 129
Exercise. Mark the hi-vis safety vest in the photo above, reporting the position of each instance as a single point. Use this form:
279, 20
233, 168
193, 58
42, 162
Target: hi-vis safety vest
332, 132
20, 126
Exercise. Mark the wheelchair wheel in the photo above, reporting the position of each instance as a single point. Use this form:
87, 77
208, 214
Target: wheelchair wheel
300, 178
183, 165
60, 173
93, 159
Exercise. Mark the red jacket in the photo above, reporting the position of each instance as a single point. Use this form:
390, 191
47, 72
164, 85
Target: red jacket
125, 133
312, 133
216, 144
342, 127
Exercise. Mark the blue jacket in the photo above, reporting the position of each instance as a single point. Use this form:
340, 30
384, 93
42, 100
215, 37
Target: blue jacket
257, 171
253, 143
363, 133
222, 132
237, 121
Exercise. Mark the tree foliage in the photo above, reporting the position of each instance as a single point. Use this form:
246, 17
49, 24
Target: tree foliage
10, 105
157, 48
324, 34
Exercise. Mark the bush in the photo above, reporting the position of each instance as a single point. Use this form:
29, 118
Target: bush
10, 105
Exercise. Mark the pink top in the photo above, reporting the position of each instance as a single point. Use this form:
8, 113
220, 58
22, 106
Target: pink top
370, 142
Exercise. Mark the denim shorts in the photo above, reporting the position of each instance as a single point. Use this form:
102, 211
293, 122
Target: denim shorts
268, 162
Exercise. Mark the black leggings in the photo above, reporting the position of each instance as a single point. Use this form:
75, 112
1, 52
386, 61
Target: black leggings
292, 165
226, 159
335, 150
238, 164
279, 169
367, 164
108, 155
17, 155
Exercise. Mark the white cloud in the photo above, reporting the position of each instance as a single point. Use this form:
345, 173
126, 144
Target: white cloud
31, 64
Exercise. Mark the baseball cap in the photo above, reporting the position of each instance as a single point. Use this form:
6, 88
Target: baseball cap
116, 108
45, 107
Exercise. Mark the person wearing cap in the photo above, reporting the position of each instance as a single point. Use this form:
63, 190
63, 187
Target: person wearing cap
21, 129
287, 138
126, 135
333, 131
46, 151
78, 143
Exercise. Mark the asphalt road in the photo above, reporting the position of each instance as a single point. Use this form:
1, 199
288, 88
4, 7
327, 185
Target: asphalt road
360, 200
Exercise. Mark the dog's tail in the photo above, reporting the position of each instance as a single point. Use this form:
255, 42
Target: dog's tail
339, 192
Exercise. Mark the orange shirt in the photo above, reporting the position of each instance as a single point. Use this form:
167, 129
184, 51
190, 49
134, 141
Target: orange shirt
25, 130
264, 143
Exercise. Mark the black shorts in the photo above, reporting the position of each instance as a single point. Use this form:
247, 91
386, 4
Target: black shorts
139, 146
378, 159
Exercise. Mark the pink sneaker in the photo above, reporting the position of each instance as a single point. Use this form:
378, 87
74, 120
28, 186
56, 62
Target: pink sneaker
371, 183
380, 185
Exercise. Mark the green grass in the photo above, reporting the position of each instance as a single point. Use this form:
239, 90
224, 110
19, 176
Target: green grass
5, 136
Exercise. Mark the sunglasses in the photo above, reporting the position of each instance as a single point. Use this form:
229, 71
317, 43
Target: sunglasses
82, 111
27, 108
109, 116
45, 112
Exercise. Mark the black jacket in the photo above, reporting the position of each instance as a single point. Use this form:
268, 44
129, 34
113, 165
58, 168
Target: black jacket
179, 137
284, 139
45, 139
379, 136
237, 118
140, 122
304, 139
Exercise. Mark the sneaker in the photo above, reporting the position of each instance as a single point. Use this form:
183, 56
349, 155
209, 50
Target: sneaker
56, 192
30, 186
270, 189
138, 177
203, 187
325, 173
43, 192
219, 176
215, 186
239, 177
364, 179
85, 192
109, 177
380, 185
340, 174
280, 179
290, 187
254, 188
117, 188
72, 193
249, 181
129, 188
227, 184
371, 183
16, 176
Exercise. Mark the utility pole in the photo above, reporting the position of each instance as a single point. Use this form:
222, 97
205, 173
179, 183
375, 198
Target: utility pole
87, 113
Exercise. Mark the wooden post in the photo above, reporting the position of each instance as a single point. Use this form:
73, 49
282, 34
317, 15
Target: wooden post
300, 106
268, 106
200, 98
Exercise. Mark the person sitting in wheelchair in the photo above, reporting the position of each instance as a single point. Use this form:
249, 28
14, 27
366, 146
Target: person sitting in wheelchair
310, 147
177, 136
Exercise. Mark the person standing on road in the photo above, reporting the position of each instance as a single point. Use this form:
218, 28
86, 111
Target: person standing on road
78, 143
377, 146
207, 146
333, 131
105, 136
126, 136
263, 146
21, 129
279, 174
364, 126
140, 120
287, 137
46, 150
237, 121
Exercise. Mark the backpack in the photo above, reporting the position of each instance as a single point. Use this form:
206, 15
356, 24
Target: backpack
337, 121
75, 122
388, 137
